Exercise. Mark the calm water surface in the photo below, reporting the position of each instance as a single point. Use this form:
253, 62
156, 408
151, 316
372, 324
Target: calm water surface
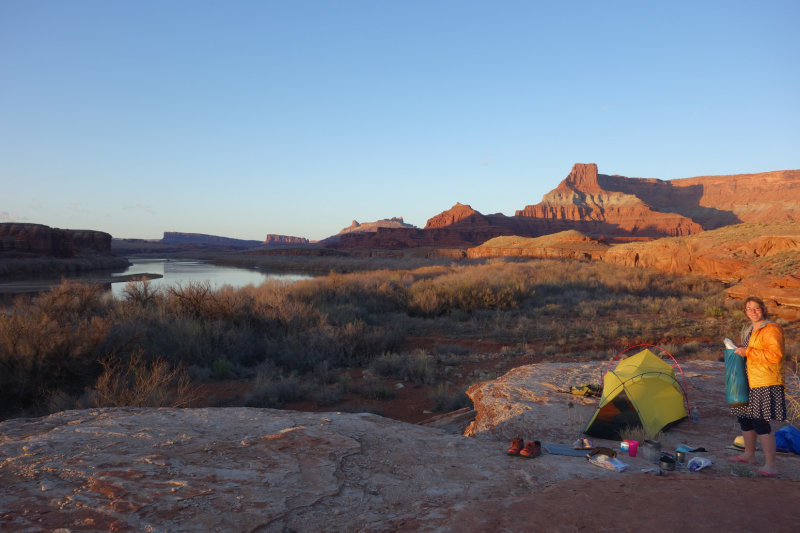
174, 272
185, 272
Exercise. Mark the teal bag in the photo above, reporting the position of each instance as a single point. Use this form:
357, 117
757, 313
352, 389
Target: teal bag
736, 388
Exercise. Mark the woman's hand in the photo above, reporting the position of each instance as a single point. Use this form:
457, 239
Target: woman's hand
741, 351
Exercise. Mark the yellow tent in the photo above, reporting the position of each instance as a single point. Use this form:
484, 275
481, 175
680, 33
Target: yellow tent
641, 391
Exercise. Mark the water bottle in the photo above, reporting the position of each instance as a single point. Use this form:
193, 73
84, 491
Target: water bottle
695, 415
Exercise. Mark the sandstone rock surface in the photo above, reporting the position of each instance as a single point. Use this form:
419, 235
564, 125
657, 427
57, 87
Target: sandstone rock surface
240, 469
563, 245
753, 258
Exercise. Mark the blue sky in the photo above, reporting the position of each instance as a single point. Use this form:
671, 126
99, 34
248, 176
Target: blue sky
245, 118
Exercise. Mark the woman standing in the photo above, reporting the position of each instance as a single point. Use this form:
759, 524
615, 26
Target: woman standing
763, 347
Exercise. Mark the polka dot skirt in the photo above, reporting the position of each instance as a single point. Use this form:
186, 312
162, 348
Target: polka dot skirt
765, 403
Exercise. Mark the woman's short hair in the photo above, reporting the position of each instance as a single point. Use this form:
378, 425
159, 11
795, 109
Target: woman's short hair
758, 301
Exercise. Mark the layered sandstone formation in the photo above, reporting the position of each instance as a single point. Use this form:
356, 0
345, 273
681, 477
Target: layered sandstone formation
563, 245
583, 196
610, 208
457, 227
755, 259
280, 240
41, 240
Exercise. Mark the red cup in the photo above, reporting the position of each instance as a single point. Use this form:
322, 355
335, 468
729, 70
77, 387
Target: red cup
633, 446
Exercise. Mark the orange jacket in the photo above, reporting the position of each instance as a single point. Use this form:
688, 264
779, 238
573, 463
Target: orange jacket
765, 356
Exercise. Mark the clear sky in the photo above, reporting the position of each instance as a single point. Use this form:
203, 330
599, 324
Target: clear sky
243, 118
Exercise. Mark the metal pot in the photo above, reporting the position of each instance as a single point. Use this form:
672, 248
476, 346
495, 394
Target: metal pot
667, 463
652, 451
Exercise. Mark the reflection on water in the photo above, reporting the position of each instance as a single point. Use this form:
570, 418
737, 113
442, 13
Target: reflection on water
185, 272
173, 271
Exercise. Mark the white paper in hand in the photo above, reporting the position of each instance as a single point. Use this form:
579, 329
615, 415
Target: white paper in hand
729, 344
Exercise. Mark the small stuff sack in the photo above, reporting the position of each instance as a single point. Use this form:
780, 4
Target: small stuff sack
736, 389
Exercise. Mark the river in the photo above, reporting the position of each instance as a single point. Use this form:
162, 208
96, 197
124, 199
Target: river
171, 272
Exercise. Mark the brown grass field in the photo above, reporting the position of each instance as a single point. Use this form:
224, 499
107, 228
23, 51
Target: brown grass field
403, 337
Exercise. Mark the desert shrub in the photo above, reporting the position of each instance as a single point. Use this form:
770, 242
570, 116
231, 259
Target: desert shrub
447, 399
374, 388
417, 367
468, 289
276, 392
138, 383
49, 342
221, 368
690, 348
450, 349
325, 396
141, 293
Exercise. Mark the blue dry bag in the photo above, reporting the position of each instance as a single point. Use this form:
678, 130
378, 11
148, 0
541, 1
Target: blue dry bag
736, 388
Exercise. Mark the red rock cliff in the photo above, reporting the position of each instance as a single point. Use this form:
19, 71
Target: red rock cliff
43, 240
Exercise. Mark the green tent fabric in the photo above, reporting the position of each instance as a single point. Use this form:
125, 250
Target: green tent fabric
641, 391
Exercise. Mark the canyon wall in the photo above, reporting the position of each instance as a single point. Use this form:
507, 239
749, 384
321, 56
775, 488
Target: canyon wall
609, 208
276, 240
41, 240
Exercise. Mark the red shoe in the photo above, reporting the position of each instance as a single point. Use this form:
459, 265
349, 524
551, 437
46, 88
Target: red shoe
516, 447
532, 449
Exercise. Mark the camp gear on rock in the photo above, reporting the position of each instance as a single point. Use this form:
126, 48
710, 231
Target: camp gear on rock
738, 444
787, 439
610, 463
585, 389
687, 448
531, 450
582, 444
680, 457
562, 449
667, 462
652, 450
516, 447
698, 463
641, 391
736, 389
601, 451
633, 447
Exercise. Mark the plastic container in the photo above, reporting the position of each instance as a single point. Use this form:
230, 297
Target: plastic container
695, 415
633, 447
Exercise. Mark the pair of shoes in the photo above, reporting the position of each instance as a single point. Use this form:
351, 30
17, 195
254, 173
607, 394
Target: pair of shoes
516, 447
737, 459
761, 473
532, 449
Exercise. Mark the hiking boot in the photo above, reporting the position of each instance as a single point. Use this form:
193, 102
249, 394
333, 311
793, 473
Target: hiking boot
516, 447
532, 449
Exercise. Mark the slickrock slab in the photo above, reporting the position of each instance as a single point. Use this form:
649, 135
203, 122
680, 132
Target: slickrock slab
243, 469
240, 469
